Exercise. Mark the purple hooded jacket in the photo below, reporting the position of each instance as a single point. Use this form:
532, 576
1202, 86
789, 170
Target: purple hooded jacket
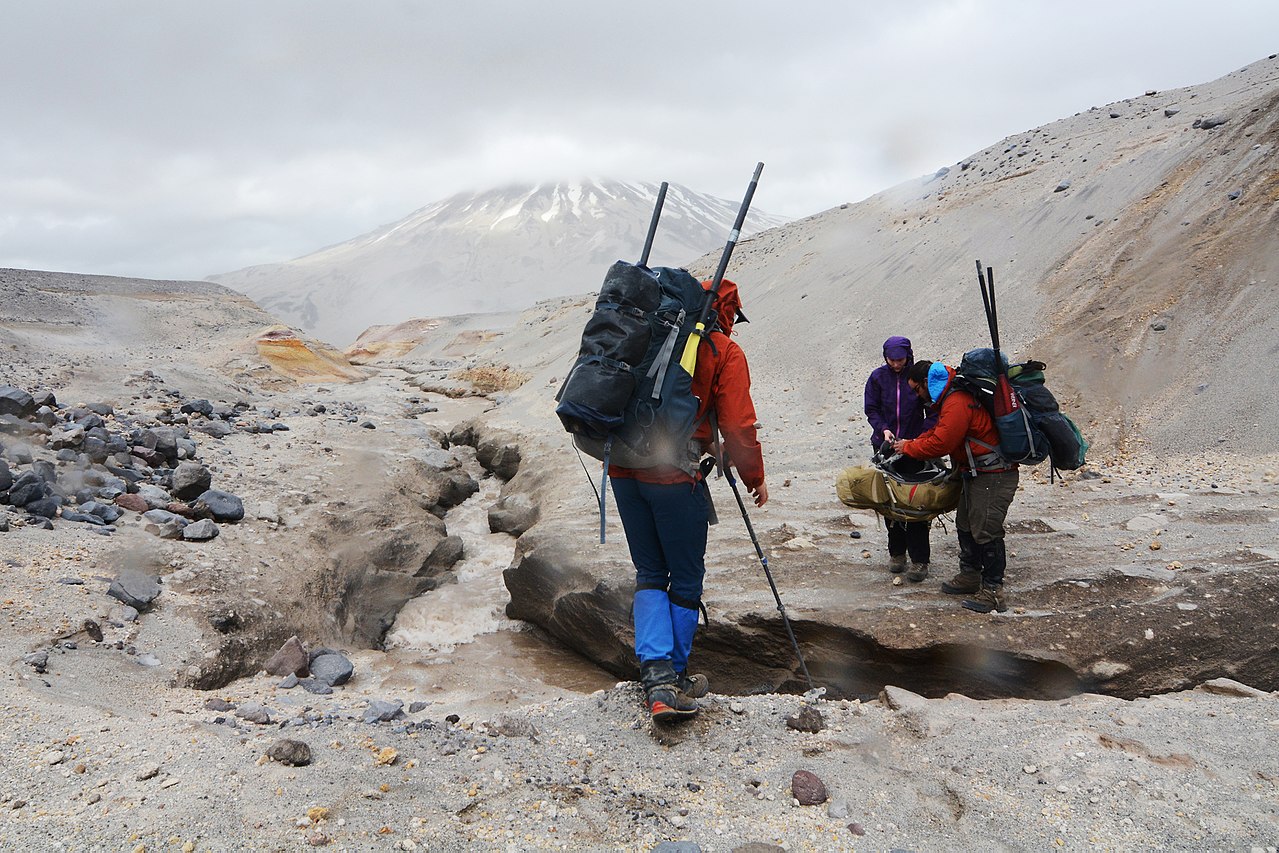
890, 402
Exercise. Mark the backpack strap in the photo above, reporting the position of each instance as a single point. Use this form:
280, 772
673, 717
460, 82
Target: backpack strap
663, 360
986, 463
608, 448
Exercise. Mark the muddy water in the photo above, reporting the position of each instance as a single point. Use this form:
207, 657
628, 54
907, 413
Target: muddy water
455, 647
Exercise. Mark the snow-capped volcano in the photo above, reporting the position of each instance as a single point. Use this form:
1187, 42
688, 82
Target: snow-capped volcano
499, 250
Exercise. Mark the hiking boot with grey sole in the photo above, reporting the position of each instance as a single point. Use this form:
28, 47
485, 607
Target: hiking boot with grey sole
987, 599
964, 583
896, 563
667, 704
693, 686
918, 571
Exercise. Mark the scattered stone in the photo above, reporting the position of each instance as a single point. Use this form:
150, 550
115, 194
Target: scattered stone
332, 669
289, 682
218, 505
383, 711
200, 531
135, 503
807, 789
1171, 111
1210, 123
837, 809
148, 771
291, 659
52, 757
809, 719
216, 704
311, 685
1062, 187
856, 828
190, 480
254, 712
294, 753
39, 661
415, 707
135, 589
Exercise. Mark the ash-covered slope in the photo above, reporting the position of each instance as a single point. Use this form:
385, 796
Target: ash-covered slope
1134, 248
499, 250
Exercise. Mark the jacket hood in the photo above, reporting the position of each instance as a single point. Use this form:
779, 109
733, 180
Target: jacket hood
898, 347
939, 376
728, 305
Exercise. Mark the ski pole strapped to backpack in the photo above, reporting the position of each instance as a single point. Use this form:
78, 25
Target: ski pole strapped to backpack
626, 397
1035, 429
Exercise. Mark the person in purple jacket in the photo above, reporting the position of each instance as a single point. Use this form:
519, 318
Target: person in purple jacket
895, 411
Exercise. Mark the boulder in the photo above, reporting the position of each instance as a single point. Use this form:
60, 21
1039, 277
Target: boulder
135, 589
218, 505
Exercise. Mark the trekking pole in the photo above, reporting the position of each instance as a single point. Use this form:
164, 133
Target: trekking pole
988, 302
688, 360
732, 482
652, 225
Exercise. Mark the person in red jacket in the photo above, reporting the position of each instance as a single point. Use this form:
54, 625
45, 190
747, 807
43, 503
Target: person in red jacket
666, 511
966, 432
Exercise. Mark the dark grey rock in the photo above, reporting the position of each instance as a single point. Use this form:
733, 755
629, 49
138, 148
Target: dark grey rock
165, 524
217, 704
1062, 187
135, 589
332, 669
1234, 194
311, 685
38, 661
45, 507
203, 407
1215, 121
1171, 111
200, 531
383, 711
415, 707
678, 847
288, 682
15, 401
294, 753
218, 505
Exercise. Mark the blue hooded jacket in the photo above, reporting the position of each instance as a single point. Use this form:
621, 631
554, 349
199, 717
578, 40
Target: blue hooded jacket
890, 402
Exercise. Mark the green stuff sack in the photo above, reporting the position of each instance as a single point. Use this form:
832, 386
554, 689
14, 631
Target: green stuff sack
866, 487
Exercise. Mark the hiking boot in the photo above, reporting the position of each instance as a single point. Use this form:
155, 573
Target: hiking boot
897, 563
918, 571
667, 704
988, 598
964, 583
693, 686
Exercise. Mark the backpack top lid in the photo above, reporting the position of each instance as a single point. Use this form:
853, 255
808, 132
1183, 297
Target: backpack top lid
982, 363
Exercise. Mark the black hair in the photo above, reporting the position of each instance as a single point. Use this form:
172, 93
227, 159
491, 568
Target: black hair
919, 372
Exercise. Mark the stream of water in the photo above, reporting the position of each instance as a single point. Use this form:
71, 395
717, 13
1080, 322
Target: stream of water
455, 644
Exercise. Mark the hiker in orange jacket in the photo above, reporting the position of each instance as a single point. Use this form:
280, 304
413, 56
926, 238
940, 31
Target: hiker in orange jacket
966, 432
666, 511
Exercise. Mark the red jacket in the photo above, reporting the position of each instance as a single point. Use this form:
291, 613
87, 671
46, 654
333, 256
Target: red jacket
721, 378
960, 417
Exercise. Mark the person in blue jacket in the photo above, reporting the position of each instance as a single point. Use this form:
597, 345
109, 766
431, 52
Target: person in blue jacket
896, 412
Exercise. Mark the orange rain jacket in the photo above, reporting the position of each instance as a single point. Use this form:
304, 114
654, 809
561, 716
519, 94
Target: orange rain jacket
960, 417
721, 380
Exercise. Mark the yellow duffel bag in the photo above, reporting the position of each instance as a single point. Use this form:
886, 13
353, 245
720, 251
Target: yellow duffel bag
866, 487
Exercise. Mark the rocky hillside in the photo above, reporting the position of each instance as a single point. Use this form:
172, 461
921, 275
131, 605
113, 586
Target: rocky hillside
498, 250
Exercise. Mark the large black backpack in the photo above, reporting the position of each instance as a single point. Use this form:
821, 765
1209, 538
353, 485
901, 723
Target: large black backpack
626, 399
1038, 429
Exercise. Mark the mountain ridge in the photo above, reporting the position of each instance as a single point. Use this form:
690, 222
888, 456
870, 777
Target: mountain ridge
495, 250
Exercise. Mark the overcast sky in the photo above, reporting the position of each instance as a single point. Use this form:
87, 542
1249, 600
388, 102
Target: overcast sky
167, 139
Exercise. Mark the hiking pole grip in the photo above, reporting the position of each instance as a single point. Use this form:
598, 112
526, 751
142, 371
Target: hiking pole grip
688, 360
652, 225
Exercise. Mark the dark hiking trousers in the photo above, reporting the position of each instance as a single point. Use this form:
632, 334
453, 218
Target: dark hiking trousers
983, 507
666, 534
909, 537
